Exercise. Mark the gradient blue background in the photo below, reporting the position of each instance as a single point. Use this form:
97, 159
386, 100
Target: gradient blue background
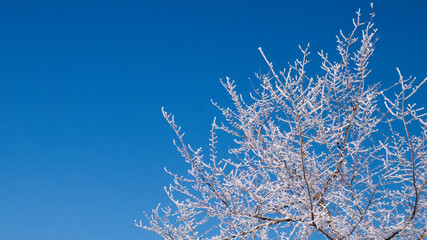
82, 139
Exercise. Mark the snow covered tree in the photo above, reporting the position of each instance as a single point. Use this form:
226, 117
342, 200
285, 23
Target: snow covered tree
324, 153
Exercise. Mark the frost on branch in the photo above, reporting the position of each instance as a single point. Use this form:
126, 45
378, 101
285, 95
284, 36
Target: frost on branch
324, 153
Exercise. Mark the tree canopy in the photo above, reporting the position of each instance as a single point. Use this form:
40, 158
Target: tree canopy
324, 153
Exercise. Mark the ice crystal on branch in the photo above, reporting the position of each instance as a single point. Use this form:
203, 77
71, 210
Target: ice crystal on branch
324, 153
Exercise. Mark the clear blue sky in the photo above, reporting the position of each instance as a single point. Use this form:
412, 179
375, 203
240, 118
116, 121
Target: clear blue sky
82, 139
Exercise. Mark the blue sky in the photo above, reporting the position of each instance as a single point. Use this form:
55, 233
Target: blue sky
82, 139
